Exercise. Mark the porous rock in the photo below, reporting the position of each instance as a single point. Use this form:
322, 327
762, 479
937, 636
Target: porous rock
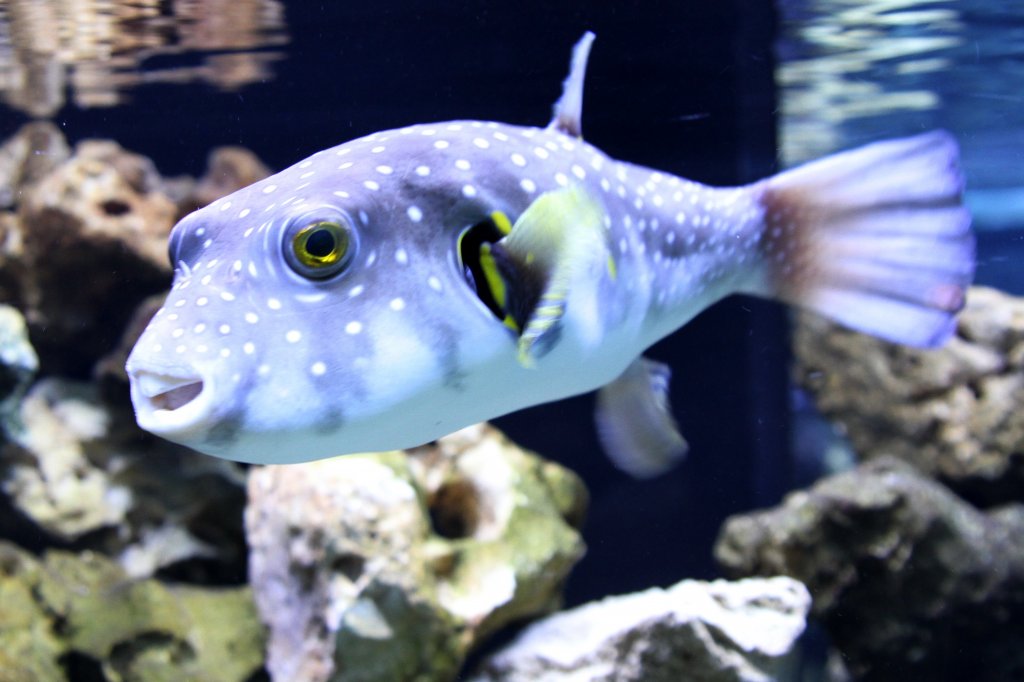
82, 472
228, 169
952, 412
94, 242
693, 631
910, 581
393, 566
66, 606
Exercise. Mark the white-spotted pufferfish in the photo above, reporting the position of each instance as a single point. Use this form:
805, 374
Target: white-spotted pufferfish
400, 286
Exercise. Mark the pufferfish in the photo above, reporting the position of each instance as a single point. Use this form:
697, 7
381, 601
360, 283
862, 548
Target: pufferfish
393, 289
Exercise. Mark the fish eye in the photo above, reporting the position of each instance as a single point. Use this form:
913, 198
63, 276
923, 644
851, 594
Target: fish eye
318, 248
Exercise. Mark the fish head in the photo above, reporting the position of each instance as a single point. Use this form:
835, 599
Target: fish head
322, 311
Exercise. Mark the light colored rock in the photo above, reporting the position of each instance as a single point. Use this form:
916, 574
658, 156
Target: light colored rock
18, 361
78, 468
393, 566
954, 413
693, 631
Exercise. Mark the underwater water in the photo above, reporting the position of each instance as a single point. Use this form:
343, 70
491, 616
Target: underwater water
722, 93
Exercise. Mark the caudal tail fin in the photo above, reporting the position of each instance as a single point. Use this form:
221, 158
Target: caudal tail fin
876, 238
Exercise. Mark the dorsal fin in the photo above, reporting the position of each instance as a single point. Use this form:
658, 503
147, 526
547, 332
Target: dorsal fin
569, 107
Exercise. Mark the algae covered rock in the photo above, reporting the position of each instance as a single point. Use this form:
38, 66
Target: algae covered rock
910, 581
132, 630
394, 566
954, 412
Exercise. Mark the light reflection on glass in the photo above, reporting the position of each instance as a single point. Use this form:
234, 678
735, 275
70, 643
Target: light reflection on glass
98, 50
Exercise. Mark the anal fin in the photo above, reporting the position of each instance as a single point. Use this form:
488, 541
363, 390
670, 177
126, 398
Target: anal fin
635, 423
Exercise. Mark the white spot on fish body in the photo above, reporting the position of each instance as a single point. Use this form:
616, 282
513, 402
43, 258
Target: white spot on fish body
244, 212
371, 185
528, 185
248, 347
518, 159
263, 370
462, 164
397, 304
378, 149
199, 328
481, 143
401, 256
225, 206
305, 164
469, 190
252, 318
293, 336
224, 329
269, 188
579, 172
177, 333
227, 296
353, 327
414, 213
341, 193
306, 176
385, 170
423, 171
561, 179
200, 231
541, 152
355, 291
434, 283
273, 304
201, 301
441, 144
345, 166
318, 368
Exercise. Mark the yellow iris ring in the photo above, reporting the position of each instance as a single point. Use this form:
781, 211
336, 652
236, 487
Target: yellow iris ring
339, 239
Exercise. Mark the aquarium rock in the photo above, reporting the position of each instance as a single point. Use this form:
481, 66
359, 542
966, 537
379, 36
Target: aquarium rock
68, 616
95, 244
27, 156
18, 361
698, 631
79, 469
954, 413
228, 169
910, 581
393, 566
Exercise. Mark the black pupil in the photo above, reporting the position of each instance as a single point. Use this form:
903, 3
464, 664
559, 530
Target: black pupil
320, 243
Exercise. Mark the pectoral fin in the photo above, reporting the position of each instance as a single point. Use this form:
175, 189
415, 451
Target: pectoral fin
536, 264
634, 421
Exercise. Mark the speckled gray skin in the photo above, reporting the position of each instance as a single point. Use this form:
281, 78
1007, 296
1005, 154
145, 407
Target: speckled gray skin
250, 360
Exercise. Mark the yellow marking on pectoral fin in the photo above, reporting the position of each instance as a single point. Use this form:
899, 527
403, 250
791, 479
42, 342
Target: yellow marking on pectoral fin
557, 234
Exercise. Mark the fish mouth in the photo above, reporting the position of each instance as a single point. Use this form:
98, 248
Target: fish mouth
170, 405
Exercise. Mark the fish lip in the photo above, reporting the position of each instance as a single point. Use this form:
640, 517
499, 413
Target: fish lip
173, 405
